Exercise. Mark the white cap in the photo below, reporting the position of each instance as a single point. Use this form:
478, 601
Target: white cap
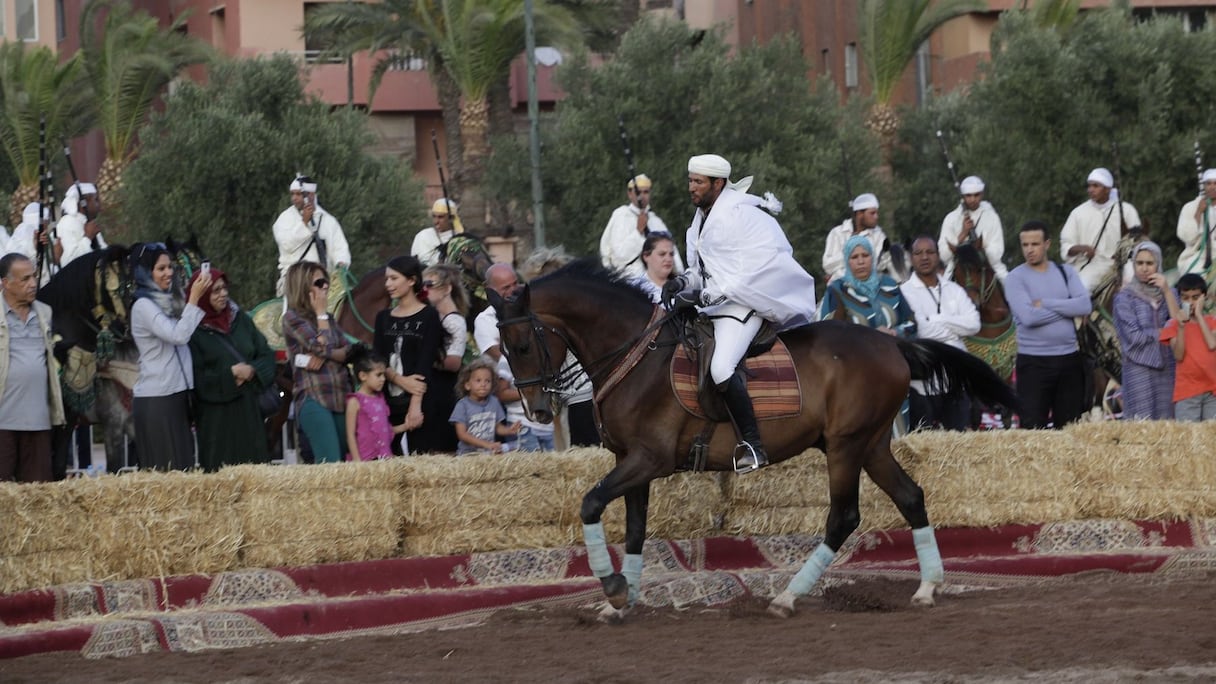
1208, 176
866, 200
710, 165
971, 185
1102, 177
303, 184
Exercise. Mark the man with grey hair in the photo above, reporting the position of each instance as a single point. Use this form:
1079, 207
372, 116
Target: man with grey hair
30, 398
741, 272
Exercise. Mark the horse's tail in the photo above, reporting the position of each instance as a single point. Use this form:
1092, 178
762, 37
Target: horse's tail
940, 365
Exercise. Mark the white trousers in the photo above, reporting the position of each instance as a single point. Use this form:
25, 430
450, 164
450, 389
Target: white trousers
731, 337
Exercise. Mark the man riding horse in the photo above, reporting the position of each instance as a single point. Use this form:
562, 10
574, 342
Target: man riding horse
741, 273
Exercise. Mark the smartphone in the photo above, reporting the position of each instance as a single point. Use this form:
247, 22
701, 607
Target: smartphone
206, 267
1186, 308
302, 360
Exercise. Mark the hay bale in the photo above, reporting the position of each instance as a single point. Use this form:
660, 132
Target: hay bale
1145, 469
981, 479
150, 524
801, 481
456, 540
770, 521
320, 513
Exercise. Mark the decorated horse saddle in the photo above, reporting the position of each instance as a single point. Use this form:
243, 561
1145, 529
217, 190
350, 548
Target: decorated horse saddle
772, 379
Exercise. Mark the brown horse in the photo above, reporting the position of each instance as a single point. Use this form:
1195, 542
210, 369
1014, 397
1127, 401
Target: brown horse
853, 381
996, 342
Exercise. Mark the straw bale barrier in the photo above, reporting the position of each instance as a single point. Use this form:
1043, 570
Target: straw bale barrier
157, 524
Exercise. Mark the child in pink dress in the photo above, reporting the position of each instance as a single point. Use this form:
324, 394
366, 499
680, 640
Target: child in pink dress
369, 433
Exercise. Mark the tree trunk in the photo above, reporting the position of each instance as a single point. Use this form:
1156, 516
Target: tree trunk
474, 131
23, 195
109, 189
502, 124
449, 104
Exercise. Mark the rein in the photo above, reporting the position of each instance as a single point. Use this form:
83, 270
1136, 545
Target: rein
983, 292
349, 281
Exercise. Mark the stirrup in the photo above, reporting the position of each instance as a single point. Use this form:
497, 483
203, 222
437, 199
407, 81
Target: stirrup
751, 461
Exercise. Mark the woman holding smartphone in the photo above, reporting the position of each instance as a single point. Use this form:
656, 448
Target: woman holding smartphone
318, 349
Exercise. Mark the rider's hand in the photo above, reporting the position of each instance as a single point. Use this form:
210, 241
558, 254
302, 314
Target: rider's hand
671, 288
686, 299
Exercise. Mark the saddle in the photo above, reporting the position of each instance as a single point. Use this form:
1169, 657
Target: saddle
772, 379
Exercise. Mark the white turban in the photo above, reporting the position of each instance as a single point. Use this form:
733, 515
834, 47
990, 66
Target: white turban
30, 215
709, 165
866, 200
303, 184
71, 199
971, 185
1102, 177
1208, 176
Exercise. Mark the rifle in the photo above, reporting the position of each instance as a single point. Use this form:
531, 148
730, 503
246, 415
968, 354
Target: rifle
633, 174
46, 204
958, 187
443, 183
1123, 227
1206, 202
67, 155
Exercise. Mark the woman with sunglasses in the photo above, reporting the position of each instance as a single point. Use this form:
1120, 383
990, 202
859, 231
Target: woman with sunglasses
317, 349
162, 327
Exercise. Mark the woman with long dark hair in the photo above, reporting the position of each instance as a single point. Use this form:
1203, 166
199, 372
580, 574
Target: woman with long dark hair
162, 328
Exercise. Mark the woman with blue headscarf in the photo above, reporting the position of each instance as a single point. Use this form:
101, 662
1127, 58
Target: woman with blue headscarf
1140, 313
864, 296
162, 328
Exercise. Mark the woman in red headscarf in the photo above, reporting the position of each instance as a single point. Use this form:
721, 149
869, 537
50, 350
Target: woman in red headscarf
232, 366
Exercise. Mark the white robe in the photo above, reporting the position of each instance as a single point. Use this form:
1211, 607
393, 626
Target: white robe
944, 313
427, 243
1190, 232
748, 260
621, 244
70, 231
294, 238
833, 249
987, 228
1083, 227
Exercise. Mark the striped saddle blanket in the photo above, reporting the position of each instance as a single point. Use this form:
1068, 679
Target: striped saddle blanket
772, 382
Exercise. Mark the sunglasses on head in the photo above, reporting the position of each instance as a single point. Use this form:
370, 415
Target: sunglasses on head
157, 246
320, 282
429, 283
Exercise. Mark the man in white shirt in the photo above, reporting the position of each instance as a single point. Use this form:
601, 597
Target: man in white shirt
1090, 237
429, 242
502, 279
621, 243
1197, 228
944, 313
973, 220
864, 221
306, 232
78, 230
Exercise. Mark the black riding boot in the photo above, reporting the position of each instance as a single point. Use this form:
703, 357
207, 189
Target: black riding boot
734, 393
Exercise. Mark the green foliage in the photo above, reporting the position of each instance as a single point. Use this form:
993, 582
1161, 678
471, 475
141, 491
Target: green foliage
129, 59
891, 31
34, 84
681, 93
217, 162
1050, 105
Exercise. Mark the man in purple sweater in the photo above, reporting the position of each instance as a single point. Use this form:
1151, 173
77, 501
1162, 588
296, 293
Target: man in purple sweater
1045, 297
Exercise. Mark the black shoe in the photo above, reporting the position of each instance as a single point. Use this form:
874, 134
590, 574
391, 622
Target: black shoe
749, 453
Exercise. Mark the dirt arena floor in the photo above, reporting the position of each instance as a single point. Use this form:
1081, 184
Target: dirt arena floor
1102, 627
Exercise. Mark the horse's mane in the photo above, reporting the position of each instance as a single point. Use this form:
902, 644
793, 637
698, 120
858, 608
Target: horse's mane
589, 273
73, 287
968, 255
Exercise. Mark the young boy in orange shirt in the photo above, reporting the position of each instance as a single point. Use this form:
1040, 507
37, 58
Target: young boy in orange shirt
1194, 350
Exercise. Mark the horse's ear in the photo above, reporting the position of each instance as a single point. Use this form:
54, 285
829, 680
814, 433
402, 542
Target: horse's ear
495, 301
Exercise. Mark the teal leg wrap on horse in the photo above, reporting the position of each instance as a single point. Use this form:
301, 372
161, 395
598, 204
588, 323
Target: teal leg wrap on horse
928, 556
814, 567
632, 570
597, 550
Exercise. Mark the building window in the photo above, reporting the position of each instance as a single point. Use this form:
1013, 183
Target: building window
315, 45
61, 22
850, 65
27, 20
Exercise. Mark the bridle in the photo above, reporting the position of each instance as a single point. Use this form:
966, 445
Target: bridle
551, 380
983, 291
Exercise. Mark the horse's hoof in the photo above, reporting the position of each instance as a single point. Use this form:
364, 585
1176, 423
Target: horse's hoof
924, 595
782, 606
616, 590
611, 615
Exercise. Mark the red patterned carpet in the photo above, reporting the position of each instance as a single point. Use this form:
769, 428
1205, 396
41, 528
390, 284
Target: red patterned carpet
194, 613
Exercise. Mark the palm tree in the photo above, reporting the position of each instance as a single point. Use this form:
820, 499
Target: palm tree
1059, 15
129, 60
891, 33
34, 85
469, 45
